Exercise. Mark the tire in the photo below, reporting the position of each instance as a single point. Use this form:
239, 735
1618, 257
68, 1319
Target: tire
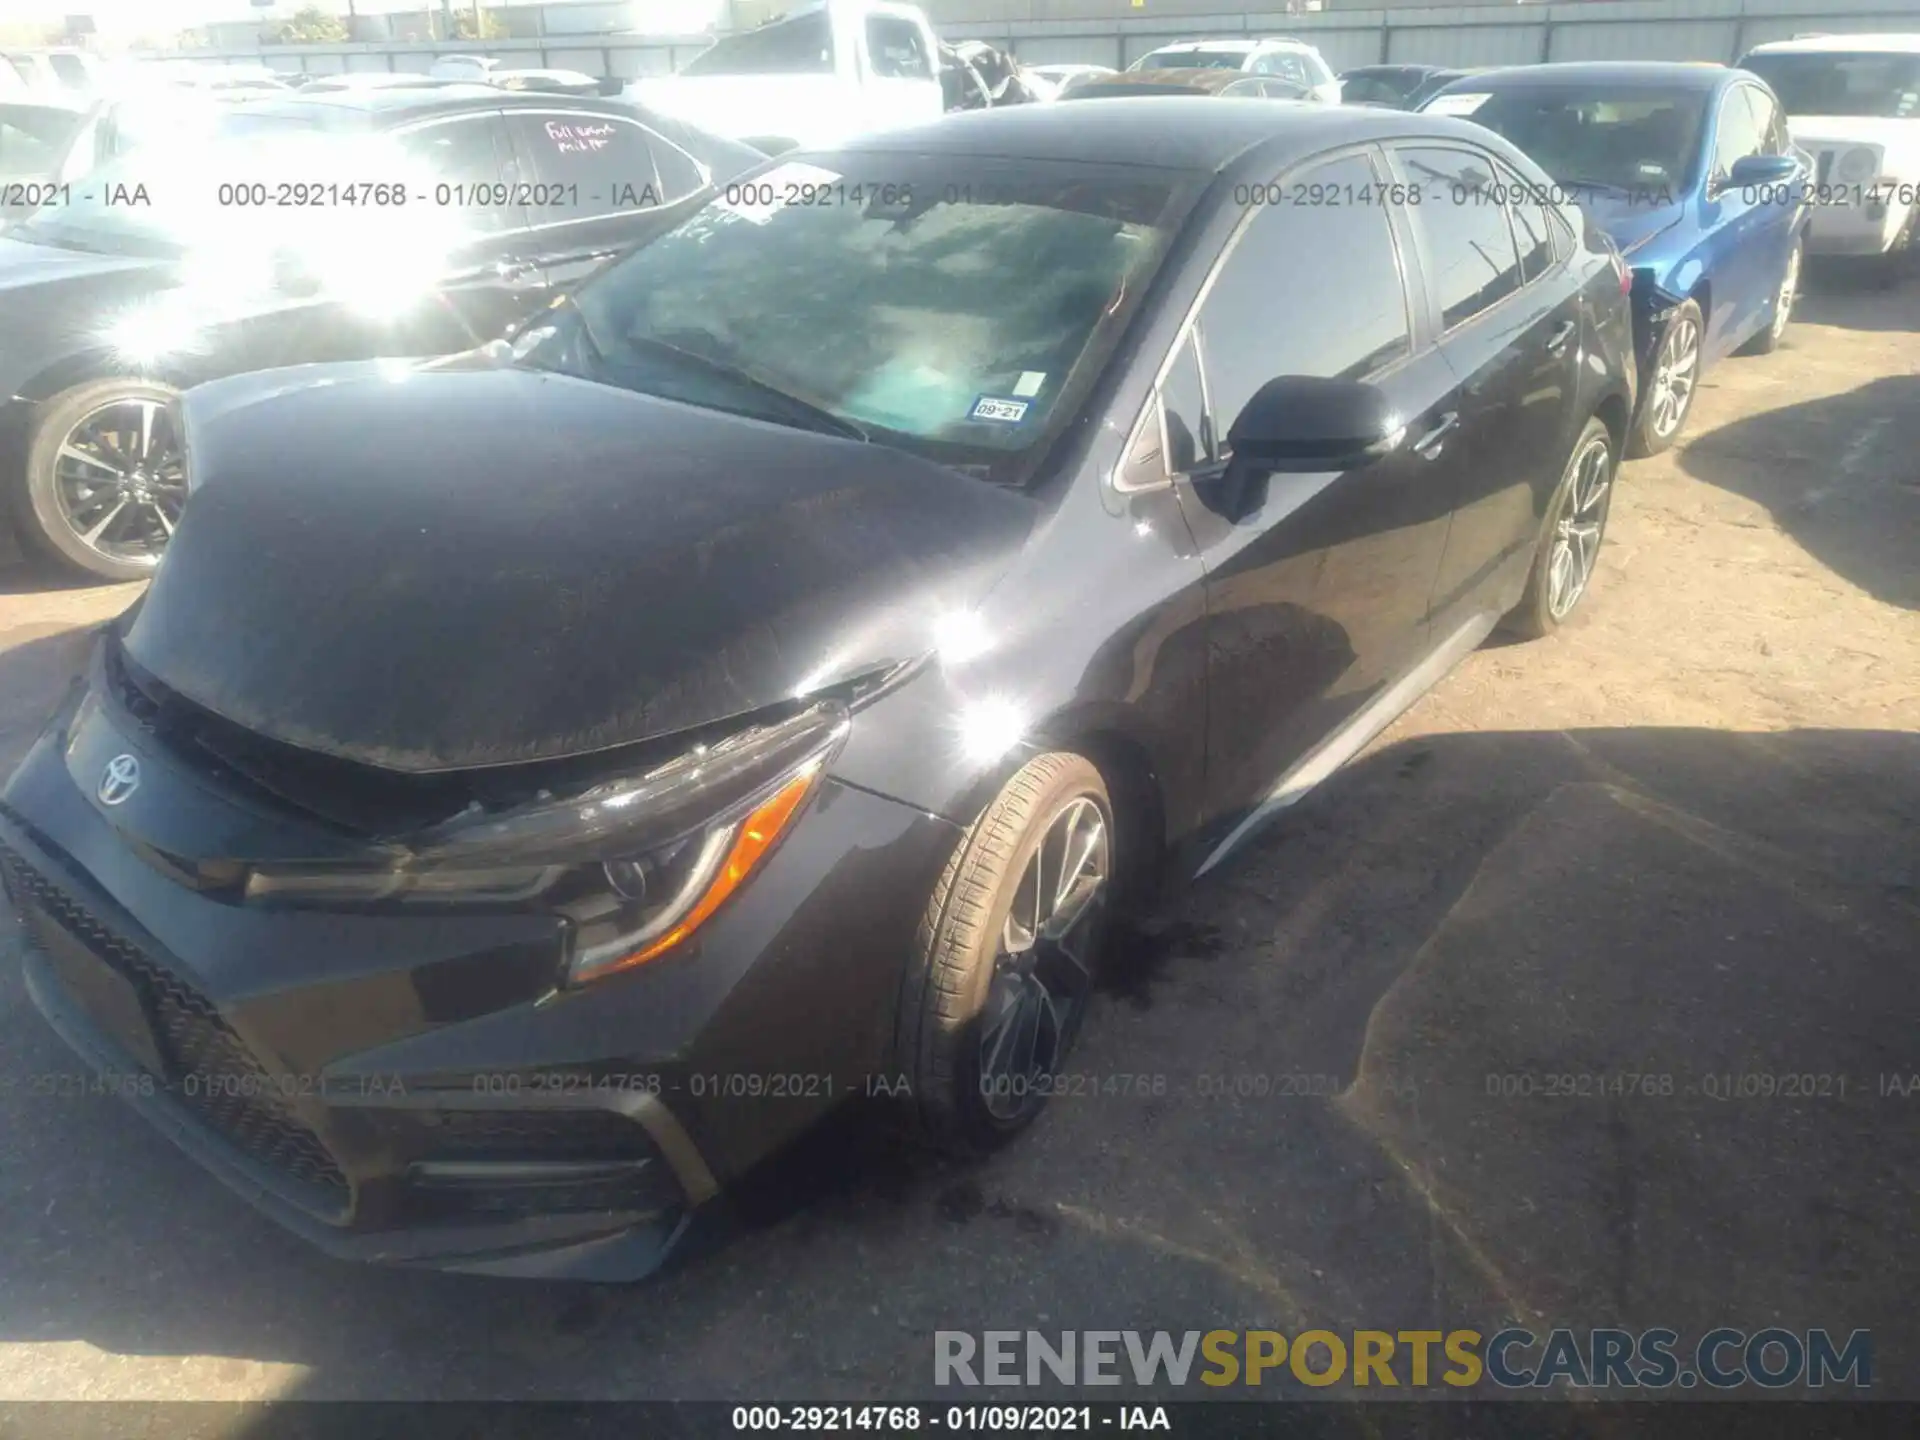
54, 523
944, 1030
1544, 606
1655, 428
1769, 338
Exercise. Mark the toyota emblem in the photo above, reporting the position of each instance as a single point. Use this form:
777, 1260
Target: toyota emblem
120, 779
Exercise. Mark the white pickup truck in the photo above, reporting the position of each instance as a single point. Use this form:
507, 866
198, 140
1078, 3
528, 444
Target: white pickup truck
812, 77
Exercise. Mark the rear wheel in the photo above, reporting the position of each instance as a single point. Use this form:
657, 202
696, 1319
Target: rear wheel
1670, 382
1569, 548
1006, 955
106, 478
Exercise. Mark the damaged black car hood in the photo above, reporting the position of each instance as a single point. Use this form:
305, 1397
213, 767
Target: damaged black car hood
427, 568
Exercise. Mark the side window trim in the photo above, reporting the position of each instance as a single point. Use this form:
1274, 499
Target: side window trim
1556, 257
1418, 333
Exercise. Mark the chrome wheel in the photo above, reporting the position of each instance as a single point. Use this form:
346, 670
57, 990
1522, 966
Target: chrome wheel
1583, 520
1042, 970
1675, 369
1789, 292
120, 479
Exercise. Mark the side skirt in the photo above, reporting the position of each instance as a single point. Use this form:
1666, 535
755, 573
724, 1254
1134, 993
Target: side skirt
1353, 737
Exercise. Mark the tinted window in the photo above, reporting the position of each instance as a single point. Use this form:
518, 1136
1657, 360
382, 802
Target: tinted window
896, 51
803, 45
1740, 132
1530, 226
1309, 290
1626, 139
1376, 89
33, 138
1184, 412
1470, 254
461, 153
601, 165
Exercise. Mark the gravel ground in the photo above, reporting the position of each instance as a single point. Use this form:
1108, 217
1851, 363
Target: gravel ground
1677, 840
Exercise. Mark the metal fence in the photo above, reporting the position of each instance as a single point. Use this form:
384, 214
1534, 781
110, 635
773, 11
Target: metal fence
1087, 30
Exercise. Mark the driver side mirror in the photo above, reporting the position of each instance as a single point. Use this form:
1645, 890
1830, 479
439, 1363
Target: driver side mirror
1305, 424
1752, 170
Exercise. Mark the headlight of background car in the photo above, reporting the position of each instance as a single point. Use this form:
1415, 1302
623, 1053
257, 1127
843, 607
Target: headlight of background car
1859, 164
635, 866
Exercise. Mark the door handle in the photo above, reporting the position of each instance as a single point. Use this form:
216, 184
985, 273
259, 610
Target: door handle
1429, 445
1563, 332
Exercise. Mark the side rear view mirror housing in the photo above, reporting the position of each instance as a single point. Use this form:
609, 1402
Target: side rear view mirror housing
1305, 423
1750, 170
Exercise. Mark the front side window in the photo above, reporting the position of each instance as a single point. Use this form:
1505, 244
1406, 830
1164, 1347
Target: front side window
1739, 133
585, 164
1883, 86
896, 50
1309, 289
1627, 139
800, 46
1471, 258
955, 309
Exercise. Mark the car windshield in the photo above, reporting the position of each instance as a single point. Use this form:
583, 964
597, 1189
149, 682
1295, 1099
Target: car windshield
800, 46
958, 312
1192, 60
1887, 86
34, 138
1630, 139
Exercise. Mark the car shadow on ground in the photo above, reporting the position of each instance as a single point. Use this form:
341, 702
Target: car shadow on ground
1859, 294
1840, 474
1586, 1028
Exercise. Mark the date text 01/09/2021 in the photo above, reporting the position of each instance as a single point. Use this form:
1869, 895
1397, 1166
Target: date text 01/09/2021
907, 1419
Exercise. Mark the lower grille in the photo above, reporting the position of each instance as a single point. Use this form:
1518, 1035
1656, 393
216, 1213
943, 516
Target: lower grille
556, 1137
213, 1073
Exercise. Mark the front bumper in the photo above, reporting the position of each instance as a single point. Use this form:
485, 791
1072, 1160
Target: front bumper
413, 1090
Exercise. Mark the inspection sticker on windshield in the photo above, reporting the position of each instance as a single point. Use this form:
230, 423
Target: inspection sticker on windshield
758, 198
1003, 409
1457, 104
1029, 383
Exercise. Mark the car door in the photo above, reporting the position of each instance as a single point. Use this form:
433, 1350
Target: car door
1780, 224
1317, 584
903, 86
597, 182
1738, 223
1508, 317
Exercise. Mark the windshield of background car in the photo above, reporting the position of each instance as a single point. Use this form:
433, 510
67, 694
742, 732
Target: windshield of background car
1192, 60
1886, 86
34, 138
1628, 139
956, 308
801, 46
1374, 89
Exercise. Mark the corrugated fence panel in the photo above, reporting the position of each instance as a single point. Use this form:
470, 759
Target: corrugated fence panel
587, 60
1464, 45
1637, 40
1344, 49
1069, 50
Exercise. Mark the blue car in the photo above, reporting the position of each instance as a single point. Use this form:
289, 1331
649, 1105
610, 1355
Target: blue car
1690, 170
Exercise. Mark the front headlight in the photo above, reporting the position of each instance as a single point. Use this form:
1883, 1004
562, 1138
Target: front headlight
1859, 164
634, 866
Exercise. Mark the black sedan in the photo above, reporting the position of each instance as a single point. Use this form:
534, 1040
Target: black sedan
541, 783
323, 227
1397, 87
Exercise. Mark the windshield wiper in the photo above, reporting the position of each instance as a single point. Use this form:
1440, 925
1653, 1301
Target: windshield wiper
817, 417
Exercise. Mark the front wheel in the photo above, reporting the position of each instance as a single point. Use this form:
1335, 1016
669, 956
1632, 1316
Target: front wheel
1569, 548
1006, 955
1670, 384
106, 479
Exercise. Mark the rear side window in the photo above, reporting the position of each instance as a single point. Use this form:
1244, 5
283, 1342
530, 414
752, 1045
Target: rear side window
1531, 229
1471, 258
1310, 289
895, 49
460, 155
586, 165
1286, 65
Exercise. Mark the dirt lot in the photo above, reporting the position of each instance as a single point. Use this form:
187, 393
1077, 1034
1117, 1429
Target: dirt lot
1679, 840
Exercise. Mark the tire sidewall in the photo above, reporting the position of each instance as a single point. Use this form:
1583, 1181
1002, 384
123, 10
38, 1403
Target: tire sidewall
1644, 441
1535, 617
40, 515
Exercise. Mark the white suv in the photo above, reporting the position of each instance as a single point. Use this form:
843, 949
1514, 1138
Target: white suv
1853, 103
1293, 60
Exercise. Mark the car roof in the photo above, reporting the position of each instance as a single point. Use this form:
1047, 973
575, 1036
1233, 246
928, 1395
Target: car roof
1174, 131
1621, 74
397, 102
1891, 44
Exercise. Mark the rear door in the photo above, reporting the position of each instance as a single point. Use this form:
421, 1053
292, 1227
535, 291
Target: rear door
1508, 315
596, 183
1317, 584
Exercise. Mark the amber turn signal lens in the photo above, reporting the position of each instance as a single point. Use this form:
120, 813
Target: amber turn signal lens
751, 842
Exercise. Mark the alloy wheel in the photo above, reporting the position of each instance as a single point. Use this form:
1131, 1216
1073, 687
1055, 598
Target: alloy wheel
1789, 292
1583, 520
1042, 971
1675, 369
120, 479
